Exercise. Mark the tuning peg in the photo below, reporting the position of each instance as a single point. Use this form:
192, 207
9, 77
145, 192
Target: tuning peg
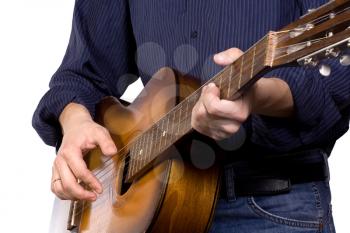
325, 70
332, 52
309, 26
329, 34
296, 32
300, 30
345, 60
309, 62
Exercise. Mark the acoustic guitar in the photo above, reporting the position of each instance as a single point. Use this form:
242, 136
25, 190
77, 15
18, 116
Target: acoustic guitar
154, 184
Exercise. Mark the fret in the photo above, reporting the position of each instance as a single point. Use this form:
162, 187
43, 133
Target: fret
188, 112
131, 167
133, 160
141, 152
143, 149
158, 137
220, 82
150, 144
139, 163
253, 63
173, 134
187, 106
140, 147
166, 132
241, 72
138, 156
161, 135
229, 82
179, 120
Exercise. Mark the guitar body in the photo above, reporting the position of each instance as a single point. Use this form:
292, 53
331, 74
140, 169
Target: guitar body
173, 196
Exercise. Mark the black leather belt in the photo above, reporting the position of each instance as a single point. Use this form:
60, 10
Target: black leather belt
272, 177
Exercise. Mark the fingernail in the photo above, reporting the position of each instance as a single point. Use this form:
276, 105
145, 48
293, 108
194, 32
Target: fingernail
112, 149
219, 57
211, 85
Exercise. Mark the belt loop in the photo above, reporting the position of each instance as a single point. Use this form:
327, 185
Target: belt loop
230, 183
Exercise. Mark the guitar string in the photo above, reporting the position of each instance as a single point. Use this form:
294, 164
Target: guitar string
124, 156
174, 109
131, 143
107, 181
155, 125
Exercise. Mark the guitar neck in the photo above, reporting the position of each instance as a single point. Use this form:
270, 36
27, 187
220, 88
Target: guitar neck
232, 81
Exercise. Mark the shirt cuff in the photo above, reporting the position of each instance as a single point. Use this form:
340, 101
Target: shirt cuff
45, 118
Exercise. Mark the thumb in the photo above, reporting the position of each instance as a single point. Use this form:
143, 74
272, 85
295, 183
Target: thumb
227, 57
212, 90
106, 144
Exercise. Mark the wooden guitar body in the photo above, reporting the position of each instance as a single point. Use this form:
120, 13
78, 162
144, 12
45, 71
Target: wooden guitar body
173, 196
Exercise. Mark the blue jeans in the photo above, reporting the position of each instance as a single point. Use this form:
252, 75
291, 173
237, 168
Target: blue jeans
305, 209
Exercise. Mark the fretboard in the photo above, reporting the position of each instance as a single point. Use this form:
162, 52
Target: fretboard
232, 81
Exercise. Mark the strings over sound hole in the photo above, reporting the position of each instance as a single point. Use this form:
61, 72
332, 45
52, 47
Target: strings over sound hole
123, 185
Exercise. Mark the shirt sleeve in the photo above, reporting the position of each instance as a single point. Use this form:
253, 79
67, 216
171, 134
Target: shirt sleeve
99, 61
319, 104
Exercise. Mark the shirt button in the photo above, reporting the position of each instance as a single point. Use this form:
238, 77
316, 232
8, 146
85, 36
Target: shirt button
194, 34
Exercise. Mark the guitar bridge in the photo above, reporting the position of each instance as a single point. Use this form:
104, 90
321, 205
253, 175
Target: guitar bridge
74, 216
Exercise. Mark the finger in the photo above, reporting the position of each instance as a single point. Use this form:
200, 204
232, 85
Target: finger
105, 141
56, 186
80, 171
58, 190
234, 110
210, 98
218, 136
226, 126
227, 57
69, 183
212, 127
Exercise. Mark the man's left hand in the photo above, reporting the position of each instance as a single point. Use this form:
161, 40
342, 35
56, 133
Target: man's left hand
215, 117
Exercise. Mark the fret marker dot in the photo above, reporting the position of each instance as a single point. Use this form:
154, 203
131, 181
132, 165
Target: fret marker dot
164, 133
140, 152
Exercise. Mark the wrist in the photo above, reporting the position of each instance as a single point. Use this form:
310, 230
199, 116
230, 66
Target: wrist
72, 115
271, 97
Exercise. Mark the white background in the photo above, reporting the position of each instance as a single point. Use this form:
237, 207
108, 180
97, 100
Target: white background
33, 38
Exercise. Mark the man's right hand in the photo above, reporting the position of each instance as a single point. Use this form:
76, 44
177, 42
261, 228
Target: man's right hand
80, 135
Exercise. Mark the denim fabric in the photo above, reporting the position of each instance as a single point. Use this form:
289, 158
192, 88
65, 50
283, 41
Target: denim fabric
305, 209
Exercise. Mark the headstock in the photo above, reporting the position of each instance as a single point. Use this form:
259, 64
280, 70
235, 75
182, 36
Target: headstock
323, 33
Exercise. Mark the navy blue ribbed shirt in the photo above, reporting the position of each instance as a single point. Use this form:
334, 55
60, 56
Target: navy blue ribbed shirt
115, 41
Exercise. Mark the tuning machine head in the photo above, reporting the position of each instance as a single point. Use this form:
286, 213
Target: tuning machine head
345, 60
325, 70
332, 53
313, 62
309, 62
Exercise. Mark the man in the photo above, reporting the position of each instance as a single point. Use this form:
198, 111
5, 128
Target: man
302, 119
